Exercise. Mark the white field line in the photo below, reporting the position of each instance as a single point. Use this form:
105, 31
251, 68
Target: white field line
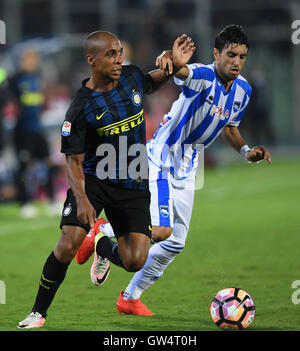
17, 227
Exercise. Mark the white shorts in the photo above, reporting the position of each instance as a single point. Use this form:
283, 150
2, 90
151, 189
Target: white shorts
171, 204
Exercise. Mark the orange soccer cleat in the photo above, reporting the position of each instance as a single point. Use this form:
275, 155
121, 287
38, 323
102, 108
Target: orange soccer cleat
88, 245
132, 307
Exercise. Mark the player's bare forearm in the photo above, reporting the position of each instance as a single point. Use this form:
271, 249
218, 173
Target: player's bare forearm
159, 78
233, 137
256, 154
165, 62
182, 73
75, 175
85, 211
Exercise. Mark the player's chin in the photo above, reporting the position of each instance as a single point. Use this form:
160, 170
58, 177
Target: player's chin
233, 75
116, 74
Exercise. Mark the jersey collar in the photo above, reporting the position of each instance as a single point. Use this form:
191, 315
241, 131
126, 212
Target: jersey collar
219, 81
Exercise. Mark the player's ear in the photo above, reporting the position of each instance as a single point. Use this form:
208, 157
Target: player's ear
216, 53
90, 59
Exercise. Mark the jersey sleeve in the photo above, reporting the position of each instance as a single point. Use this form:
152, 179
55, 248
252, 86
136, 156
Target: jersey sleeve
73, 132
194, 82
188, 79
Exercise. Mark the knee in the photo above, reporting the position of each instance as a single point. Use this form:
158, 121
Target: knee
65, 251
135, 262
66, 247
161, 233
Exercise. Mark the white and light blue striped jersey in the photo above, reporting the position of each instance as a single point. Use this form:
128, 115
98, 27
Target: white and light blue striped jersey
197, 117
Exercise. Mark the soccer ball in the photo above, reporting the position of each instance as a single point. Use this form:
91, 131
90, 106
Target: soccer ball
232, 308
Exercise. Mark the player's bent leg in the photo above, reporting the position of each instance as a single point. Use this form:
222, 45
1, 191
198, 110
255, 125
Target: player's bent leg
157, 261
133, 250
129, 252
88, 245
69, 242
53, 274
160, 233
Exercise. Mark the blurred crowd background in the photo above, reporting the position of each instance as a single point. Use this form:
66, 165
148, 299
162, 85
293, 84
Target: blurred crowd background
55, 30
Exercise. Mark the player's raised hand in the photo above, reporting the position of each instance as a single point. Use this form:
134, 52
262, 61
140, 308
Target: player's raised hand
164, 61
258, 153
182, 51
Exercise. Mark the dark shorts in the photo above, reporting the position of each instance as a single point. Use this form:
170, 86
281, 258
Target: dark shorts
126, 210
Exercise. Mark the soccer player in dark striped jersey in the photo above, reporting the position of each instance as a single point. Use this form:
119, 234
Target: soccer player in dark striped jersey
25, 90
104, 122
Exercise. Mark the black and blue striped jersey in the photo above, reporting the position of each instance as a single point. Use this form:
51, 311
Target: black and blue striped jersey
26, 88
105, 125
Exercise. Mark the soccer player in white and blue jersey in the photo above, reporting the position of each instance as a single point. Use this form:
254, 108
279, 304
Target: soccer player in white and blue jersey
213, 100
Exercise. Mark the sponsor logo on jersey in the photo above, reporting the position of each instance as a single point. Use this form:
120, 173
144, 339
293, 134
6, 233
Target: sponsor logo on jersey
219, 112
32, 98
122, 126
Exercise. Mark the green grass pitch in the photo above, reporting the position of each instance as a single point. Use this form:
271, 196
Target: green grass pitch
244, 232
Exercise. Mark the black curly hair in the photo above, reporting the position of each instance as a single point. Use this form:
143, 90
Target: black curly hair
234, 33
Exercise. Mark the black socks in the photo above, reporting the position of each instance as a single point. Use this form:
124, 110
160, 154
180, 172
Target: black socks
53, 275
108, 248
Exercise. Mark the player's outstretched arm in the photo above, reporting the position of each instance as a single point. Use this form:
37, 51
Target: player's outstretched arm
257, 153
182, 51
175, 60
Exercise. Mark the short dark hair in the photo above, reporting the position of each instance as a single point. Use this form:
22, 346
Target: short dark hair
233, 33
94, 39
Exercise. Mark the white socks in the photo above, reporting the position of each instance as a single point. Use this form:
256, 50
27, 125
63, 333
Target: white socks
157, 261
106, 228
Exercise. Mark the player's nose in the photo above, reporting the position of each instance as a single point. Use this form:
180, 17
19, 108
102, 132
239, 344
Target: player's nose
119, 60
236, 62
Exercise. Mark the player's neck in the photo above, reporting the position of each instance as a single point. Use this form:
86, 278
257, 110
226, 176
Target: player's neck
100, 83
225, 82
